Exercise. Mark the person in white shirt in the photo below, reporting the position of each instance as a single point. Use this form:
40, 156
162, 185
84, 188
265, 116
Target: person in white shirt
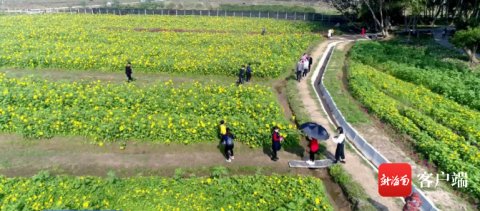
305, 66
330, 33
340, 141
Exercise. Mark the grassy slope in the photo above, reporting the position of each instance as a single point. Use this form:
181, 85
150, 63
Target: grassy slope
333, 82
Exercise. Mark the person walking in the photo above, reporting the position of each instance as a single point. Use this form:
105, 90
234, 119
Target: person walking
310, 62
330, 33
299, 70
249, 72
304, 57
241, 75
276, 142
223, 131
313, 150
229, 145
305, 66
340, 141
128, 72
363, 32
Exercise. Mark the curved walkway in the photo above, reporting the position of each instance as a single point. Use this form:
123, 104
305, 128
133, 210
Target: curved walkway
355, 166
393, 151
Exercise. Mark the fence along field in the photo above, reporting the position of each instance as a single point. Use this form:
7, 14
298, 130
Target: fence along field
197, 45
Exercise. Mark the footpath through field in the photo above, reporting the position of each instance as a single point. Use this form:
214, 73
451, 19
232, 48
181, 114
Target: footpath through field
74, 156
382, 140
355, 166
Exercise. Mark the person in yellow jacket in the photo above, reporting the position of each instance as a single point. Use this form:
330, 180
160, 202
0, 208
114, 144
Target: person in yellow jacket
223, 131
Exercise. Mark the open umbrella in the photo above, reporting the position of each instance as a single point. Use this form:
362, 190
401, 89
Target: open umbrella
314, 130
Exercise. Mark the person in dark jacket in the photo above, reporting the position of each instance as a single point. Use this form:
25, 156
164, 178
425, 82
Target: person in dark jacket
276, 142
299, 70
249, 72
128, 72
241, 75
310, 62
229, 146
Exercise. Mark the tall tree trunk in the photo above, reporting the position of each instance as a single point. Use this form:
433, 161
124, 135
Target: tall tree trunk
472, 54
440, 9
458, 11
379, 22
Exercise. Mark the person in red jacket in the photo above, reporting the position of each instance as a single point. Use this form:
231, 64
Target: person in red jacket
276, 142
413, 202
313, 150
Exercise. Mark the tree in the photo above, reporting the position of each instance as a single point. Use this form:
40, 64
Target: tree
468, 13
414, 8
349, 9
374, 11
469, 41
377, 7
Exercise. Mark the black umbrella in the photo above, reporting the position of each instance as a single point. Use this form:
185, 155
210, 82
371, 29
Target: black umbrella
314, 130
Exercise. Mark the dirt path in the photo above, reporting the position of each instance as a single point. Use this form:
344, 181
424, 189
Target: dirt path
355, 166
75, 156
21, 157
399, 151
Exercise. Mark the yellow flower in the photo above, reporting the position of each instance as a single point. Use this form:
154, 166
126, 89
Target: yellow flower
86, 204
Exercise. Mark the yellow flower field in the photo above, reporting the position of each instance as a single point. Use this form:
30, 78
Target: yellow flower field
165, 113
155, 193
197, 45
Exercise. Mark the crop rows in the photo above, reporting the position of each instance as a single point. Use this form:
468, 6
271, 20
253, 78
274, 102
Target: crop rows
196, 45
410, 109
165, 113
424, 64
154, 193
